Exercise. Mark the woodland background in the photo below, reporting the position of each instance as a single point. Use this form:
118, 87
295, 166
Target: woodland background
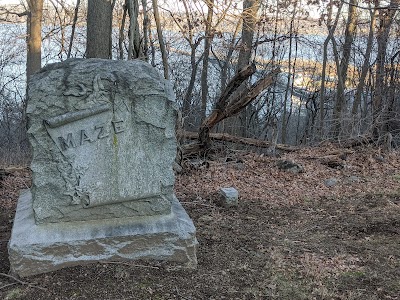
335, 64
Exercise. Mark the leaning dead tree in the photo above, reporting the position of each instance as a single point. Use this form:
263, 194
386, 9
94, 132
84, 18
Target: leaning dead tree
231, 102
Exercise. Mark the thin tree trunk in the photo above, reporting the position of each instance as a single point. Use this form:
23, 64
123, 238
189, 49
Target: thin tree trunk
365, 66
285, 119
146, 23
132, 28
34, 37
386, 18
121, 32
225, 66
78, 2
344, 64
187, 100
204, 73
249, 16
331, 31
160, 39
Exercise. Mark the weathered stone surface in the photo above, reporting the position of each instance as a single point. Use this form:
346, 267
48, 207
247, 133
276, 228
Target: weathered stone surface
230, 196
36, 249
330, 182
103, 141
290, 166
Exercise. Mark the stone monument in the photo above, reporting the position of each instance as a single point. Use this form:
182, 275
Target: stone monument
103, 140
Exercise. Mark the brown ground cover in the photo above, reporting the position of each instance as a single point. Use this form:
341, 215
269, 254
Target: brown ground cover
291, 237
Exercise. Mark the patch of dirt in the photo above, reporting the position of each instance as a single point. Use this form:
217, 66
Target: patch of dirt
291, 237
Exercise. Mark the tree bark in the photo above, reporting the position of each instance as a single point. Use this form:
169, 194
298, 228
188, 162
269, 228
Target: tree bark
207, 45
134, 49
121, 32
34, 37
386, 18
350, 33
99, 27
78, 2
366, 63
146, 28
161, 39
286, 115
249, 17
331, 31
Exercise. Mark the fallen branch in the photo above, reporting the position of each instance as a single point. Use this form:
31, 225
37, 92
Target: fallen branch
7, 285
22, 282
191, 148
128, 264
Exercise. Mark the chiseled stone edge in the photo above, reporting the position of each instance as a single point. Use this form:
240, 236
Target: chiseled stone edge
35, 249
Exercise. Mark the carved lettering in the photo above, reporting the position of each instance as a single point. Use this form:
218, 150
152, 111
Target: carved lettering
117, 125
102, 133
84, 137
69, 142
129, 109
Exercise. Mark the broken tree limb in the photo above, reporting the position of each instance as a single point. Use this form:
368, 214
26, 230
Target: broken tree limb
236, 101
234, 84
193, 147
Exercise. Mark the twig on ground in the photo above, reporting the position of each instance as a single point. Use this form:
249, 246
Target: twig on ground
128, 264
197, 203
23, 282
7, 285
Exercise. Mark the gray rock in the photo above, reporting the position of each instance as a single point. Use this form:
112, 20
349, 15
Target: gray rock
331, 182
290, 166
103, 139
230, 196
352, 179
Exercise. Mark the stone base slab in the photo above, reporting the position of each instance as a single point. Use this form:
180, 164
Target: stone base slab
35, 249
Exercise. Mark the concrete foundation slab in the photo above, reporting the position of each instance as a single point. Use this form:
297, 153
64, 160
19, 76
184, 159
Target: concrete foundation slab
35, 249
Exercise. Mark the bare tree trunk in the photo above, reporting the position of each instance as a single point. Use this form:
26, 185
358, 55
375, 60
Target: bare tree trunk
331, 31
344, 64
99, 20
207, 45
121, 32
110, 41
285, 118
146, 28
239, 123
34, 44
386, 18
134, 50
78, 2
160, 39
152, 47
34, 37
226, 63
249, 16
187, 100
365, 66
250, 12
194, 63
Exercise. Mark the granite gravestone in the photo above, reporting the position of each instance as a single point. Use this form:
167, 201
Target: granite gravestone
103, 140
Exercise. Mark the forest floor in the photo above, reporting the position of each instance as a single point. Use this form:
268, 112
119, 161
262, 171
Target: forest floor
292, 236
